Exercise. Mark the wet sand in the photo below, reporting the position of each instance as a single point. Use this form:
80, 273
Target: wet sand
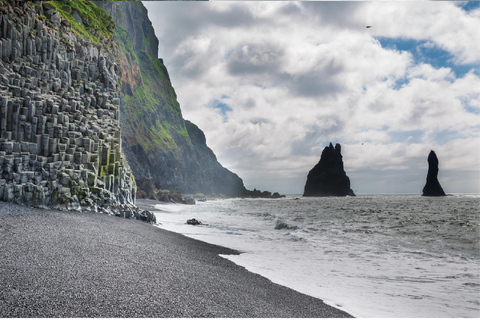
81, 264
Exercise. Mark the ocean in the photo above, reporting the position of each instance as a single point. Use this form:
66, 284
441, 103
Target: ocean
370, 255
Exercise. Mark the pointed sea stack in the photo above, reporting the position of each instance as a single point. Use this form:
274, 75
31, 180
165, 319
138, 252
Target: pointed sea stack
328, 178
432, 187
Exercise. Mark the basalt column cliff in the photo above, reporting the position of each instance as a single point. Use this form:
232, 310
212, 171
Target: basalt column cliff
60, 140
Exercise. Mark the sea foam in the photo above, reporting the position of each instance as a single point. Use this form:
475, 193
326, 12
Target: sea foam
370, 255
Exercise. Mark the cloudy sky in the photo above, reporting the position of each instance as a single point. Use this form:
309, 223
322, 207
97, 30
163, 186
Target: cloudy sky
272, 83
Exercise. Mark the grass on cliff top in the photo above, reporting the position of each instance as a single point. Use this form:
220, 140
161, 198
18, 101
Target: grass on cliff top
96, 24
158, 89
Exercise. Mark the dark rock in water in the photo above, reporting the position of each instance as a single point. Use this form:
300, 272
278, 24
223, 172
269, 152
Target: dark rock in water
328, 178
194, 222
282, 225
263, 194
432, 187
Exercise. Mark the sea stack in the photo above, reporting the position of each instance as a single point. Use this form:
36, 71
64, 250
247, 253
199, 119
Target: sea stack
328, 178
432, 187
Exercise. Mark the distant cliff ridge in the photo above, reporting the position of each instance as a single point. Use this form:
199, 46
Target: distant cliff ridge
328, 178
159, 144
60, 140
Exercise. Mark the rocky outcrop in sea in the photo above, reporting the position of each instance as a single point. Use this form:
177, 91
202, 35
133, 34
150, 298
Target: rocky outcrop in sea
263, 194
60, 142
328, 178
432, 186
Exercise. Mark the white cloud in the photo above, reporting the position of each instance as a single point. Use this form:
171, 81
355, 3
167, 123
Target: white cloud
445, 24
427, 72
296, 76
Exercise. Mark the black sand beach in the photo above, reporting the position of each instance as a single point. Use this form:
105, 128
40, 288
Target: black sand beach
71, 264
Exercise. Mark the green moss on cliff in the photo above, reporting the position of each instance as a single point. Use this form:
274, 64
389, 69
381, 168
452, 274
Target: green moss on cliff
152, 106
121, 35
151, 131
95, 23
155, 75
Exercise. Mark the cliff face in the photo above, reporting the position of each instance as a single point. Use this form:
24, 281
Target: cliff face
328, 178
432, 186
159, 144
60, 140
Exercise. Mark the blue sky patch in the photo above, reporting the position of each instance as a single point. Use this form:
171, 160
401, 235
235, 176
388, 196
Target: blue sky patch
400, 82
469, 5
445, 136
223, 107
472, 109
427, 52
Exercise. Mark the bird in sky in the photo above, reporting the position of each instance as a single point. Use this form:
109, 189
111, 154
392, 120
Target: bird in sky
368, 27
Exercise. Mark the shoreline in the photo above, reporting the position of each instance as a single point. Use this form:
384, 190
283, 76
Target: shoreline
84, 264
149, 204
168, 207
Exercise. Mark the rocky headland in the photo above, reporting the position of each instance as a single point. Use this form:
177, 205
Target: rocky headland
432, 186
60, 142
159, 144
328, 178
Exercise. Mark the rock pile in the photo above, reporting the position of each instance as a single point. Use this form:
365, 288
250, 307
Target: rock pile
328, 178
60, 142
